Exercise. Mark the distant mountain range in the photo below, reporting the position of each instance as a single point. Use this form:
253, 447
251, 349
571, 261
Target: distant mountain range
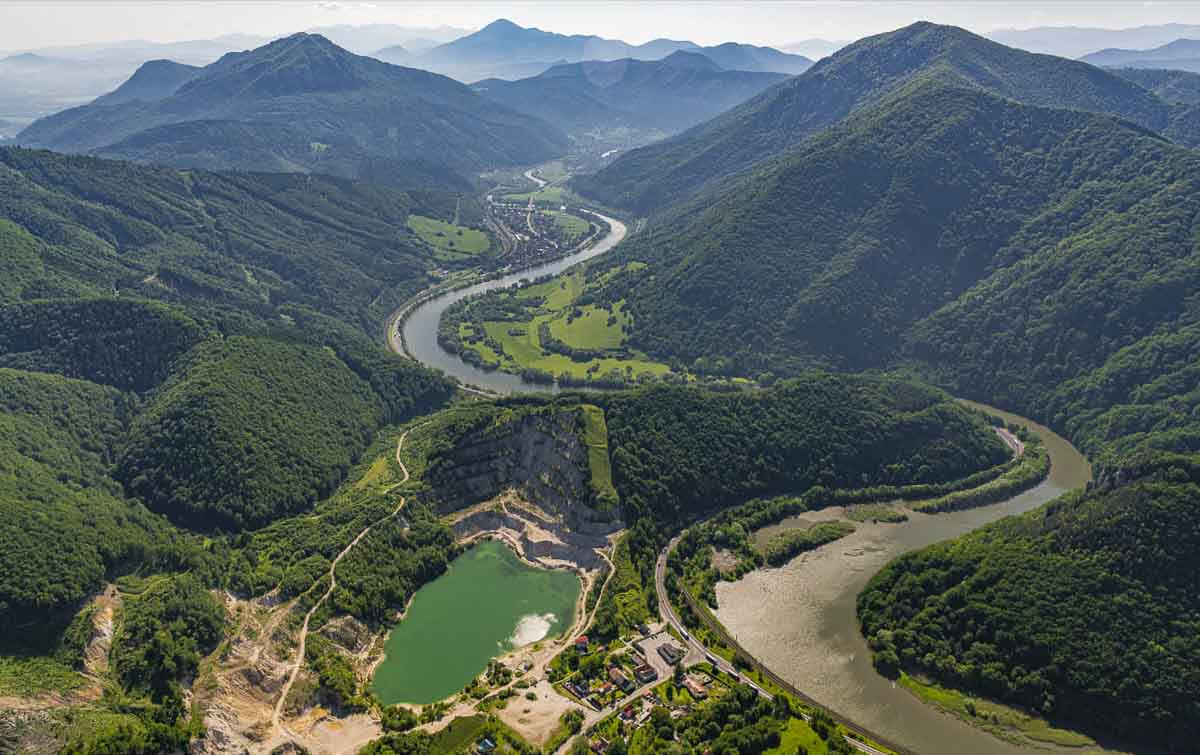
1182, 55
781, 117
666, 95
303, 103
814, 48
505, 50
1075, 41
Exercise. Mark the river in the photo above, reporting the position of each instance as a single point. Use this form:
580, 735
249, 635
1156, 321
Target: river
800, 619
421, 325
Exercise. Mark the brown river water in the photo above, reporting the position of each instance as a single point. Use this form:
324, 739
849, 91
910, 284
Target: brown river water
800, 620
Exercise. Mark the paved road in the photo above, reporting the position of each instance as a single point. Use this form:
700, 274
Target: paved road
667, 612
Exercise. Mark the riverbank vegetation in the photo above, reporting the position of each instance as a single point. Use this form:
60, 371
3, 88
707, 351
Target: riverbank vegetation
972, 612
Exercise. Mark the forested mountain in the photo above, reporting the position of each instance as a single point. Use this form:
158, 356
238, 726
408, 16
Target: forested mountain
1086, 610
154, 80
737, 57
303, 104
668, 95
241, 242
505, 50
1172, 86
1038, 258
259, 356
1182, 54
858, 75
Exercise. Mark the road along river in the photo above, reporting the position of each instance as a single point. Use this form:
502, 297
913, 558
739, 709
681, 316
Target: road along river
420, 327
799, 620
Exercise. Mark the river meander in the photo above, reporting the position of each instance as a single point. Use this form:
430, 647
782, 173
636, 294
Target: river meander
800, 619
488, 603
421, 325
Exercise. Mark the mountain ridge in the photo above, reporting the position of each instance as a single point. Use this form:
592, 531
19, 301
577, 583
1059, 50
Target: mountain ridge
667, 95
647, 178
316, 93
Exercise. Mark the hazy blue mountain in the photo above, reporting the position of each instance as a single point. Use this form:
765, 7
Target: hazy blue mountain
736, 57
782, 116
303, 103
1075, 41
668, 95
814, 48
394, 54
1182, 54
503, 49
364, 39
155, 80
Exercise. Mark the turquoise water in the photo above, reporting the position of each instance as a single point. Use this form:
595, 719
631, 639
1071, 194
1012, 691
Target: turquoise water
488, 603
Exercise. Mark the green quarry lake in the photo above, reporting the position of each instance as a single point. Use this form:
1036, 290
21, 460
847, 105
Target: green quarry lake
488, 603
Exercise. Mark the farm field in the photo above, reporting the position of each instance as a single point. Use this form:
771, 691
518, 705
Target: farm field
510, 330
450, 242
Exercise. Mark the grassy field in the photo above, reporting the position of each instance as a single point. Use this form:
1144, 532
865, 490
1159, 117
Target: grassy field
595, 328
450, 242
795, 735
1005, 722
595, 437
30, 676
573, 227
590, 327
549, 194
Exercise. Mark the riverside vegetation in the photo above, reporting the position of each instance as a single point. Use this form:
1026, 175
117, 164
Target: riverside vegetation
1032, 247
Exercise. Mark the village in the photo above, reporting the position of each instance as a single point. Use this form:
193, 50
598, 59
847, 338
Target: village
532, 232
621, 687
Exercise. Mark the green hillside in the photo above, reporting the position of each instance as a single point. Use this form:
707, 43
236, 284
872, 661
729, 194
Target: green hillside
248, 430
58, 438
858, 75
1012, 611
244, 242
1039, 259
303, 104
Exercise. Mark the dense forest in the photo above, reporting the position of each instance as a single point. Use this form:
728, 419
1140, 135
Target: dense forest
246, 431
679, 452
1013, 610
224, 245
856, 77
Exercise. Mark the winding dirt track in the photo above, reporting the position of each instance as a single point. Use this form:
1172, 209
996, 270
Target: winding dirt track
298, 660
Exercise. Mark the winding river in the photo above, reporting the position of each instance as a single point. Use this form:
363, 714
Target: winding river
421, 325
800, 619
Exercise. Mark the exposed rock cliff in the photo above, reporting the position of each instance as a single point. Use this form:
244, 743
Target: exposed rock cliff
541, 453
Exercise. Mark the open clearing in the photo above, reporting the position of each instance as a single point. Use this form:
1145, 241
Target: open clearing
450, 242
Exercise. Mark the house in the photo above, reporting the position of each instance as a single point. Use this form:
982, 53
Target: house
581, 644
645, 673
697, 690
618, 678
670, 653
604, 690
485, 746
599, 745
644, 630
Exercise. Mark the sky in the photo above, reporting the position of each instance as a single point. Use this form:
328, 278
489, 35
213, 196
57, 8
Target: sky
26, 25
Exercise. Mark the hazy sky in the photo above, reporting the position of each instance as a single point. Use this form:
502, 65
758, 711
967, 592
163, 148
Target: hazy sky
25, 24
